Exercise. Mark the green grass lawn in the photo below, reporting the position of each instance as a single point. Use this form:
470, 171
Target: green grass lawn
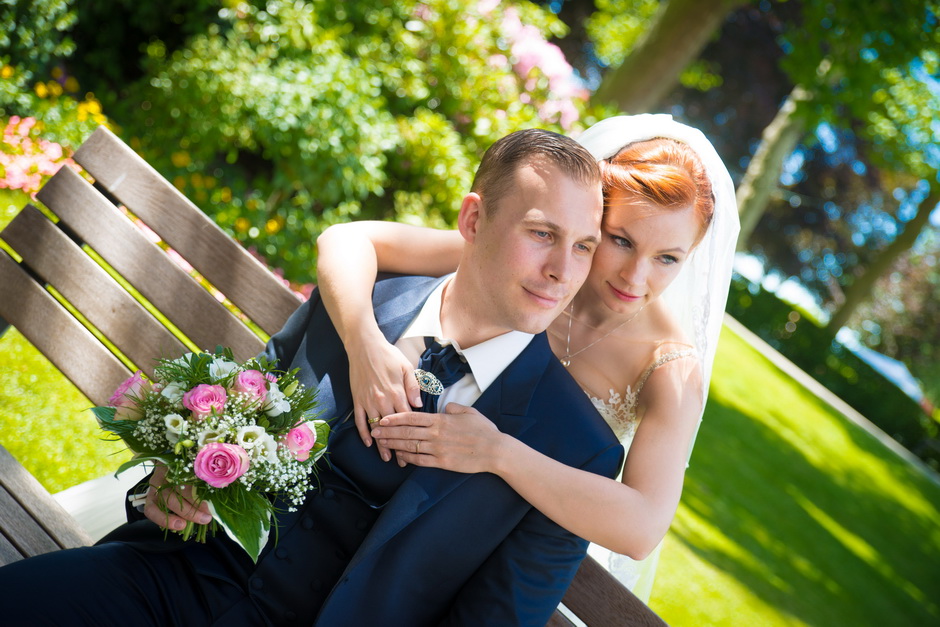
792, 515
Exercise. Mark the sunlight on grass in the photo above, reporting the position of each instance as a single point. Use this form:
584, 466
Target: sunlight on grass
793, 515
45, 422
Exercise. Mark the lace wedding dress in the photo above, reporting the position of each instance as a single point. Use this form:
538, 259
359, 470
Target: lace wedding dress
620, 412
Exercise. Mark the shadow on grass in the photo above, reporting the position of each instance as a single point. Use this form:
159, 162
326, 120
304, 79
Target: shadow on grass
830, 537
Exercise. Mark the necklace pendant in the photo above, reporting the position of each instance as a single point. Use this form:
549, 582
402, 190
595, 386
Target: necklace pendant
566, 362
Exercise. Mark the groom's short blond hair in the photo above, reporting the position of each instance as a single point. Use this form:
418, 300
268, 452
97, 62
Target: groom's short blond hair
496, 174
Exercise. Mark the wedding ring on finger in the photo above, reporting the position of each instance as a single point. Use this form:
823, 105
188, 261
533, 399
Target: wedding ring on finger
372, 421
417, 443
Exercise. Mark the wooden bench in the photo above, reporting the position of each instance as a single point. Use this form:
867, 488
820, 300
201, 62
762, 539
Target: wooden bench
60, 261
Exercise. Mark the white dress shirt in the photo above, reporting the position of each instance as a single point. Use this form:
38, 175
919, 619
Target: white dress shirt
487, 359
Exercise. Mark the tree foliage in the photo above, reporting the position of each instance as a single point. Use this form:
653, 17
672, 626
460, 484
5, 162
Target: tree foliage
284, 117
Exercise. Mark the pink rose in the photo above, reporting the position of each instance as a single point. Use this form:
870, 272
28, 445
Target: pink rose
204, 399
126, 398
219, 464
251, 383
300, 440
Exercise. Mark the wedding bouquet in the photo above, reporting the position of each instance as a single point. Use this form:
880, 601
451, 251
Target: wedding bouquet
237, 433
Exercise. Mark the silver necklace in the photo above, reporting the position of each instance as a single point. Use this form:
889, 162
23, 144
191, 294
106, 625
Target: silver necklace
566, 361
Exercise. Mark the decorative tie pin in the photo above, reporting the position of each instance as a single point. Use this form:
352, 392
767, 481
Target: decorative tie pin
428, 382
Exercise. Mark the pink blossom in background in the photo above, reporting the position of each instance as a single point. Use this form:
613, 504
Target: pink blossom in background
204, 399
251, 383
220, 464
26, 162
529, 51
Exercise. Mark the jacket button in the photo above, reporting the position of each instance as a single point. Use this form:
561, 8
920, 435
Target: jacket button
257, 583
329, 493
281, 552
307, 522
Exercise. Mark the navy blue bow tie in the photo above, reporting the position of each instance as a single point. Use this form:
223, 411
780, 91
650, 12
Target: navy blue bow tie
445, 364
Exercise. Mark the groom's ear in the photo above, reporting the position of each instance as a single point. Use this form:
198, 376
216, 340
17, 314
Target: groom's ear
470, 216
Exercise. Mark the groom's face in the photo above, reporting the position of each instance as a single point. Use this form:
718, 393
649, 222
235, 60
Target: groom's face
532, 250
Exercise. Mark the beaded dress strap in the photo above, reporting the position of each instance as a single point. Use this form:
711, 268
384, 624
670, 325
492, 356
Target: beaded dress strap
663, 359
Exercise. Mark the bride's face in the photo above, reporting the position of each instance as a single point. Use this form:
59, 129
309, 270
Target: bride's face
642, 249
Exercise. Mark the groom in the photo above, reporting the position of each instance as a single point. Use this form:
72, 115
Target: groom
377, 544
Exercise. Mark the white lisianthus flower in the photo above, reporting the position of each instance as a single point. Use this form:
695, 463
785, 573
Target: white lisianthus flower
266, 449
276, 403
221, 368
173, 392
209, 435
174, 424
248, 437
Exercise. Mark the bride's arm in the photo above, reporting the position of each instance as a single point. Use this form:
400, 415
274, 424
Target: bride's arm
629, 517
381, 378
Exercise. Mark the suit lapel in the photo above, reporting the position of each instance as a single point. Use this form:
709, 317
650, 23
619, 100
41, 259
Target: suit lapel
506, 402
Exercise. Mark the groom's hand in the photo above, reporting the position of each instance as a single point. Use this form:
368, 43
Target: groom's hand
172, 508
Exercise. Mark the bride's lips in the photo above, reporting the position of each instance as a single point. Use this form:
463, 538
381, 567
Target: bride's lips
547, 301
624, 296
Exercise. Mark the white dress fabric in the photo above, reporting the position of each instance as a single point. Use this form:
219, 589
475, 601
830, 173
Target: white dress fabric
696, 298
620, 412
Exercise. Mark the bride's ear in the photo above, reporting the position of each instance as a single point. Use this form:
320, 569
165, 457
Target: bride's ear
470, 216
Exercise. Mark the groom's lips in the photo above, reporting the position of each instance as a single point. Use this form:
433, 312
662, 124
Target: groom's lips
545, 300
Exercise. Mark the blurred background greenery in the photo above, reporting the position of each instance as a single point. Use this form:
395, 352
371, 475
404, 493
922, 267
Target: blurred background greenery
281, 117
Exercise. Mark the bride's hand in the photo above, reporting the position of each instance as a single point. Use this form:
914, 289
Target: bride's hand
461, 440
382, 382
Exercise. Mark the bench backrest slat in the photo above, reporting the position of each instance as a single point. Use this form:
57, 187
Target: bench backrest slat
188, 230
23, 501
147, 267
58, 335
91, 290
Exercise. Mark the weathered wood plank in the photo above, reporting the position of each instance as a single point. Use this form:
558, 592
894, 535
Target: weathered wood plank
86, 285
30, 519
146, 266
181, 224
58, 335
559, 620
8, 552
598, 599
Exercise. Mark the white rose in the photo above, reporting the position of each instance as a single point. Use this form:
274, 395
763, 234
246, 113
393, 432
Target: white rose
174, 424
173, 392
221, 368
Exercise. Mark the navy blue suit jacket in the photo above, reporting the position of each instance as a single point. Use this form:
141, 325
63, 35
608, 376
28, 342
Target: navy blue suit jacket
450, 548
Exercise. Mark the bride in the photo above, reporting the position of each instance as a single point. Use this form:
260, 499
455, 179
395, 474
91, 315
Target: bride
639, 337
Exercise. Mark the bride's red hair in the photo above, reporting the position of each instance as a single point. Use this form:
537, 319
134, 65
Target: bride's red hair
663, 171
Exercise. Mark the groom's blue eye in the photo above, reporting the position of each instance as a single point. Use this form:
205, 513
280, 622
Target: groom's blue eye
622, 242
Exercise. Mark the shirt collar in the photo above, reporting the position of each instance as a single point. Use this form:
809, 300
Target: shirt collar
487, 359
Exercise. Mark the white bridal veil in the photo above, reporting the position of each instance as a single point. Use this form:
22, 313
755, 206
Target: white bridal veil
698, 295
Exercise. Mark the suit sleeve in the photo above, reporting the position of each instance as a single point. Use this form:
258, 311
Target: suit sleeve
525, 578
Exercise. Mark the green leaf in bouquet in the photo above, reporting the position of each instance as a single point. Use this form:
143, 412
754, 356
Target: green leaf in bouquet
244, 515
137, 460
322, 428
124, 429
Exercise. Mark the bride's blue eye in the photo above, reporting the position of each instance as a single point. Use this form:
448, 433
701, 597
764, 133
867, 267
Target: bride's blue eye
669, 260
622, 242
